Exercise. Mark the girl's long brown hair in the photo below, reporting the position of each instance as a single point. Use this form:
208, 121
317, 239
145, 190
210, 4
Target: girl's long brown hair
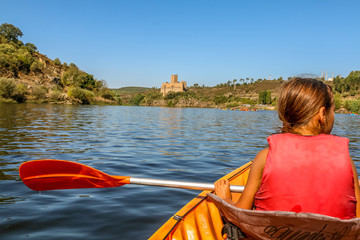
300, 99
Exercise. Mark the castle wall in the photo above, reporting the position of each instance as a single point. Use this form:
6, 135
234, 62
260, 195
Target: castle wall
173, 86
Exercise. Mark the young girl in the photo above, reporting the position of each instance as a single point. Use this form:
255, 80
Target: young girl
304, 169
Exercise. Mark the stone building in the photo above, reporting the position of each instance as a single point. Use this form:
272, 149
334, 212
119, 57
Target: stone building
173, 86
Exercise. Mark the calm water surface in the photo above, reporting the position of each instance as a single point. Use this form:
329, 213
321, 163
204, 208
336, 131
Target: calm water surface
167, 143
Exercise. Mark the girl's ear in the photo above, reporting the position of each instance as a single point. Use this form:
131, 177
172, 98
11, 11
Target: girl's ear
322, 115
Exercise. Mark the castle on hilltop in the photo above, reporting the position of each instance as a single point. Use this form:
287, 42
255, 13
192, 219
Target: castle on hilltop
173, 86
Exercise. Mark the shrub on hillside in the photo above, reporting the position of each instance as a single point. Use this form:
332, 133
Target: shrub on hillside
55, 96
76, 78
15, 58
171, 95
337, 102
137, 99
25, 59
232, 105
107, 94
248, 101
355, 106
7, 48
171, 103
20, 93
177, 95
220, 99
154, 95
83, 95
57, 61
30, 47
39, 92
7, 87
37, 67
118, 100
352, 105
10, 90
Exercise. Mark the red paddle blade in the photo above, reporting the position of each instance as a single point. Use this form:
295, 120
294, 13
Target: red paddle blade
43, 175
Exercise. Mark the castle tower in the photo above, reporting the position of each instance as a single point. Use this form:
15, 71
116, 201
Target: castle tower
174, 79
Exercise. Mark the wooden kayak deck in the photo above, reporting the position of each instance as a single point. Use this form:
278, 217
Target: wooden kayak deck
200, 219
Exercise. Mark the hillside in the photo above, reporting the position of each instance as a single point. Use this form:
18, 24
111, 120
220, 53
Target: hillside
29, 76
130, 89
220, 97
261, 94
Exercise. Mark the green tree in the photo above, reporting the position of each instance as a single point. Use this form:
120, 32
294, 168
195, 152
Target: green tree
220, 99
353, 80
73, 65
77, 78
265, 97
25, 59
137, 99
268, 97
30, 47
349, 84
10, 32
262, 97
337, 101
57, 61
339, 84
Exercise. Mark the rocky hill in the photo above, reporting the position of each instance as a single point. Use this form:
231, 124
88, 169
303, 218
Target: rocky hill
29, 76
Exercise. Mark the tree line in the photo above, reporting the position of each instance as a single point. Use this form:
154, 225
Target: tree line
349, 84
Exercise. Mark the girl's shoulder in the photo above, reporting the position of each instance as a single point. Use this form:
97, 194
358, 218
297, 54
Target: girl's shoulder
260, 158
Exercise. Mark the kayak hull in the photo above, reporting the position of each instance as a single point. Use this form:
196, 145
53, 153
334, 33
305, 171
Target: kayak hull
200, 218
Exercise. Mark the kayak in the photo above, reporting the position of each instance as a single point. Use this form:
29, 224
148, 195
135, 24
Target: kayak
200, 218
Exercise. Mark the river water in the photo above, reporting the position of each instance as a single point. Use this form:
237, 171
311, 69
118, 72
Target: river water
185, 144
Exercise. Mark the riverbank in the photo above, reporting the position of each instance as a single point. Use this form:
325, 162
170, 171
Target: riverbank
244, 96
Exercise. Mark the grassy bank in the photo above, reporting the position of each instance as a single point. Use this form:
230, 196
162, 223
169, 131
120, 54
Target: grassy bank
261, 94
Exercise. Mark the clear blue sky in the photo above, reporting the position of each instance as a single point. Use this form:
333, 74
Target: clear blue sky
143, 42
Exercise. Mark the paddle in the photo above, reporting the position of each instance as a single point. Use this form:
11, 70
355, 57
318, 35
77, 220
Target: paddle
43, 175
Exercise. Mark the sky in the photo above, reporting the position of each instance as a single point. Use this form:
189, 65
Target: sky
206, 42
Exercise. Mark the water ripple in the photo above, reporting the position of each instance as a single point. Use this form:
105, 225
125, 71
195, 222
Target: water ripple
166, 143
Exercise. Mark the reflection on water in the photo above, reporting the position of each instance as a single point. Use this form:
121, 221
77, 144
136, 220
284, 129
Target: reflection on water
167, 143
347, 126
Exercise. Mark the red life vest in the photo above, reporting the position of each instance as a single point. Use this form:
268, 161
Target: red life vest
308, 174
